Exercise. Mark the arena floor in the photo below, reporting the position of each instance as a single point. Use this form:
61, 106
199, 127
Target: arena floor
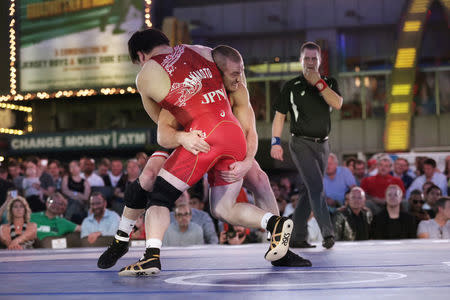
413, 269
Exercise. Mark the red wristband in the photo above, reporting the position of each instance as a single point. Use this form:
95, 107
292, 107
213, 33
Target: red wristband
321, 85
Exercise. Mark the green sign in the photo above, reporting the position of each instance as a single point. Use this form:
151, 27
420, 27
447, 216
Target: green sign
115, 139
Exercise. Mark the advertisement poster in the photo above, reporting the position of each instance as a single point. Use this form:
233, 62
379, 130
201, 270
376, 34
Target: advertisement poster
77, 44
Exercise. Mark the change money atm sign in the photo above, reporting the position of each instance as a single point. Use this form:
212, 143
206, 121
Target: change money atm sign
115, 139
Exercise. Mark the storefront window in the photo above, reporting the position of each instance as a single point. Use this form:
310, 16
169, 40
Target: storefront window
374, 94
424, 96
444, 91
350, 88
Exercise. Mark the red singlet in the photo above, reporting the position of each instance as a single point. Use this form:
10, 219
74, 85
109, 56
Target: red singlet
198, 100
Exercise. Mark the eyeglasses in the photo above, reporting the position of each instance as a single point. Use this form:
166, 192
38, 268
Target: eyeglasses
182, 215
418, 201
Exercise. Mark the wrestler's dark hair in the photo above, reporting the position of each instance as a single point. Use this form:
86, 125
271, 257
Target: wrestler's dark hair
310, 46
145, 41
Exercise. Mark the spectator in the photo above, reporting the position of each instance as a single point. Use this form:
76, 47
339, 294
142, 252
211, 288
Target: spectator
199, 217
432, 194
426, 185
372, 168
281, 203
5, 185
429, 174
19, 233
77, 190
416, 203
101, 221
336, 182
419, 165
116, 173
360, 171
391, 223
183, 232
353, 223
47, 186
195, 201
133, 173
447, 172
142, 159
15, 174
234, 235
50, 222
439, 227
275, 188
138, 232
88, 168
54, 169
103, 171
350, 164
401, 168
285, 187
31, 188
375, 186
293, 200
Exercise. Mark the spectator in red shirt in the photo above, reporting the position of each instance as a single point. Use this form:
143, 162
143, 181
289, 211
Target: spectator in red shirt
375, 186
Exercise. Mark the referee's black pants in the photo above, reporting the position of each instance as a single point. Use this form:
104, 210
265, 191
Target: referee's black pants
311, 160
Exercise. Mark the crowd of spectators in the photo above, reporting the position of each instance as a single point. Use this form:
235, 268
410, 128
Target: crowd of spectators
42, 201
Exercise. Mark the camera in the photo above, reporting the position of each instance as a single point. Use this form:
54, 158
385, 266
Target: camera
231, 233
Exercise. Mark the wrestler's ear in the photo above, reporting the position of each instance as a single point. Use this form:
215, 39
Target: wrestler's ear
141, 56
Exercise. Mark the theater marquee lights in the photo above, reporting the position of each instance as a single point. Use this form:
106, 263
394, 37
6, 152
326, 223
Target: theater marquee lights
36, 10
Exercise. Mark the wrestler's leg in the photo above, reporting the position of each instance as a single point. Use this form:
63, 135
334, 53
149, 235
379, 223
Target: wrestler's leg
224, 207
146, 180
167, 189
258, 183
135, 204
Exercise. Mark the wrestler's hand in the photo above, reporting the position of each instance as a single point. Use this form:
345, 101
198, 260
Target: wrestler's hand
237, 170
277, 152
93, 237
194, 142
312, 76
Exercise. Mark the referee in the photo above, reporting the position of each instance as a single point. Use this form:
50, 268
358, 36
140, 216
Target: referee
309, 98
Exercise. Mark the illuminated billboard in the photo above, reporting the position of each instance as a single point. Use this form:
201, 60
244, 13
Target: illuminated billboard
77, 44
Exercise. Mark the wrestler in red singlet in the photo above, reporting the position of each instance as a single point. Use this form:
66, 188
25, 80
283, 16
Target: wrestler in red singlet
198, 101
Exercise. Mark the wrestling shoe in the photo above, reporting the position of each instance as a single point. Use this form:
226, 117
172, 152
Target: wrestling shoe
291, 260
148, 265
116, 250
280, 230
303, 244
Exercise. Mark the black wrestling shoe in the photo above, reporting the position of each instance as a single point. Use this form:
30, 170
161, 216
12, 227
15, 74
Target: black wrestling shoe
280, 231
148, 265
291, 260
116, 250
328, 242
302, 244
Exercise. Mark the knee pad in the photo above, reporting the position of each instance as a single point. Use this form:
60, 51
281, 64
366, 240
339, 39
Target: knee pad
163, 194
135, 196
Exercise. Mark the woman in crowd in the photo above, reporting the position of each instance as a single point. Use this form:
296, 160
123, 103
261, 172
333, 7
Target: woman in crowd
19, 233
77, 190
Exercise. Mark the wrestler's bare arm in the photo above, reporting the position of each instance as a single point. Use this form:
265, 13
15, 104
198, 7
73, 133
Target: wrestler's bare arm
171, 135
243, 111
153, 84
